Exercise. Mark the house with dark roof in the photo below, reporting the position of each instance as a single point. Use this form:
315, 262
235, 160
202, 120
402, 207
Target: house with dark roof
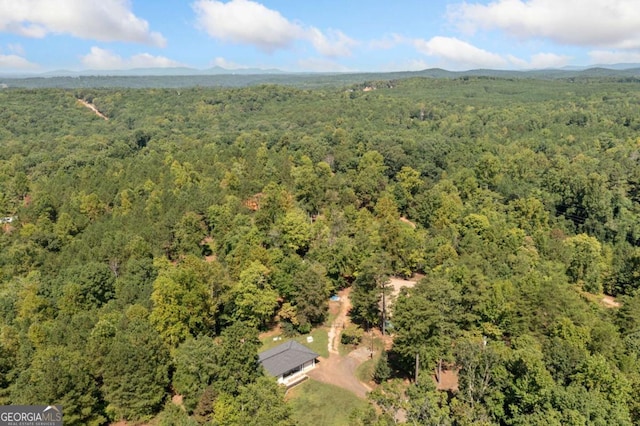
288, 362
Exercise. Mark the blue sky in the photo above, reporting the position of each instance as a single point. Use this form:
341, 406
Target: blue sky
306, 35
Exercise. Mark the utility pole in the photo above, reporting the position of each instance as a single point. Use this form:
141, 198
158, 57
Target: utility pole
384, 309
371, 335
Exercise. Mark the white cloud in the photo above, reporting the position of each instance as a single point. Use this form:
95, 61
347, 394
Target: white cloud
102, 59
226, 64
458, 54
145, 60
613, 57
249, 22
16, 48
321, 65
605, 23
103, 20
416, 65
335, 43
519, 63
15, 62
410, 65
541, 61
549, 60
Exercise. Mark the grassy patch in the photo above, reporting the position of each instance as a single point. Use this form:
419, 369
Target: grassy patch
344, 350
319, 345
364, 372
319, 404
366, 342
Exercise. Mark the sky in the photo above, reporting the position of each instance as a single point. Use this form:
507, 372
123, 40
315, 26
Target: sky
316, 36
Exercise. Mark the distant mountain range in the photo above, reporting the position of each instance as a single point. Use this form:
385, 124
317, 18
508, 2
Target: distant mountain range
183, 71
179, 71
216, 70
221, 77
618, 67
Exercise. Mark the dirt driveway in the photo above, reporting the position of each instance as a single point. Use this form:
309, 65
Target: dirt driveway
337, 369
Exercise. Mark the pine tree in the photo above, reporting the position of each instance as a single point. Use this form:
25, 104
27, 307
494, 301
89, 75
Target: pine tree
382, 371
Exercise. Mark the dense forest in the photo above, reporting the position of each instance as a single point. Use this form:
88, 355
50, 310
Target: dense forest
144, 251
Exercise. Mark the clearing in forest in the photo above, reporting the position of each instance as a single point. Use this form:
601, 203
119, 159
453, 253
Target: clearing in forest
397, 283
337, 369
93, 108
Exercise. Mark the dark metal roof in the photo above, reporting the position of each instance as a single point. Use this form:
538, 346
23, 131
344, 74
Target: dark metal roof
285, 357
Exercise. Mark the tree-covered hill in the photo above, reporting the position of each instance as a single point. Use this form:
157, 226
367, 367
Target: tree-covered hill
185, 78
146, 251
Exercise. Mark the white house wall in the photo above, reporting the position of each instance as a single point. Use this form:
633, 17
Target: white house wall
308, 365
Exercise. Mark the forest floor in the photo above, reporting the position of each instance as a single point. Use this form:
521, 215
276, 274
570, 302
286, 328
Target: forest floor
340, 370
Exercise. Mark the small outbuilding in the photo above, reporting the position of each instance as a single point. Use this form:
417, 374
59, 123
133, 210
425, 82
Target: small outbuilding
288, 362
